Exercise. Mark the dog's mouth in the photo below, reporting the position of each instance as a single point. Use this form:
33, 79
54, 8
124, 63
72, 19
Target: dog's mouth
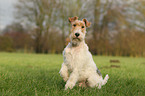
76, 39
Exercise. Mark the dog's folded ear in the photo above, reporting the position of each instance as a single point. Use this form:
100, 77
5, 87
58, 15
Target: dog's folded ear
87, 23
72, 19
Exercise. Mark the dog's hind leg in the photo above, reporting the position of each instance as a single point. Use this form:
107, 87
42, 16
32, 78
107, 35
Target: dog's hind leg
92, 81
95, 81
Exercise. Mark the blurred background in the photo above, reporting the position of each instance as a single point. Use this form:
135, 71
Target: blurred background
41, 26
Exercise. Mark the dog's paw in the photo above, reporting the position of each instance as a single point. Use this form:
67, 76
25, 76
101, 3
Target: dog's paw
69, 85
65, 79
99, 86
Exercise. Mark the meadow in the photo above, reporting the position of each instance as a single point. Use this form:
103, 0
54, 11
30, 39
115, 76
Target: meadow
38, 75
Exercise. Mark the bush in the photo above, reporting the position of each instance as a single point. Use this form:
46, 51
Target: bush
6, 44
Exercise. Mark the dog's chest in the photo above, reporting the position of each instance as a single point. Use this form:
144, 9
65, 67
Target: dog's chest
74, 57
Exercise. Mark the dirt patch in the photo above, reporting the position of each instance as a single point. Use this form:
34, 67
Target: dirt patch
114, 61
115, 66
29, 66
143, 63
111, 66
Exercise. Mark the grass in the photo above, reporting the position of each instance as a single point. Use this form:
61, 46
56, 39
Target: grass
37, 75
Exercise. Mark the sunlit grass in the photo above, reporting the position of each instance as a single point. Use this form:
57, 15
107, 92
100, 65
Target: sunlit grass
37, 74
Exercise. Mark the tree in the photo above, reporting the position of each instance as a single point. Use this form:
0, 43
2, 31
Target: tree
37, 13
112, 21
112, 17
20, 37
6, 44
46, 15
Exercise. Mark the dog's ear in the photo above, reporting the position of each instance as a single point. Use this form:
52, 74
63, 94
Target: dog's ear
87, 23
72, 19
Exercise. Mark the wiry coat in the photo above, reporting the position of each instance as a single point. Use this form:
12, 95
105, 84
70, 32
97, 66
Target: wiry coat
78, 65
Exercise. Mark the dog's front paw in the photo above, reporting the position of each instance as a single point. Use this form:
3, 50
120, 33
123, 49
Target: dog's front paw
69, 85
65, 79
99, 86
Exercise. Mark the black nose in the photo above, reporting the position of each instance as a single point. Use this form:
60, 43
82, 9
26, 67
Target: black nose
77, 34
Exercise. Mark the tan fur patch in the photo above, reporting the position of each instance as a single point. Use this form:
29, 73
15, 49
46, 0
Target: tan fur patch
78, 25
72, 19
87, 23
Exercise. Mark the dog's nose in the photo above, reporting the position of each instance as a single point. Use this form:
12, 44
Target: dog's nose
77, 34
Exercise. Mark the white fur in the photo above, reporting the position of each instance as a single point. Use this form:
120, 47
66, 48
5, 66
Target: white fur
78, 64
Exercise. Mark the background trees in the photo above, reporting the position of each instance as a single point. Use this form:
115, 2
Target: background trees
117, 25
17, 38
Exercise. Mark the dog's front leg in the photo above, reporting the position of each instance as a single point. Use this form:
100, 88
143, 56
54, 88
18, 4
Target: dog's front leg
72, 80
64, 72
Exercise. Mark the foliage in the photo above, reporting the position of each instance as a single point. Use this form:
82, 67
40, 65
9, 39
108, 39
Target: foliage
6, 44
19, 37
118, 26
37, 74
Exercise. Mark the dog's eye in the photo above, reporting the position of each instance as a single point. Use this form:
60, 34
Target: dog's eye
82, 26
74, 25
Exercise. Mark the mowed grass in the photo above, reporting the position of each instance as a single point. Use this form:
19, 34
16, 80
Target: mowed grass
37, 75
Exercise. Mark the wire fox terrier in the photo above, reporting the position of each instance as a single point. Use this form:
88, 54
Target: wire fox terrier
78, 65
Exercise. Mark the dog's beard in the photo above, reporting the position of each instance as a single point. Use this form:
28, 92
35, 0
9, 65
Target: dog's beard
76, 41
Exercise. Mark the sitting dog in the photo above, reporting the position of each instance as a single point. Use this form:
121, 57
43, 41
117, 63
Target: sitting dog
78, 65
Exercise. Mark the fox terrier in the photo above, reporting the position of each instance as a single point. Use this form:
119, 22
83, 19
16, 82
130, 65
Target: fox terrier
78, 65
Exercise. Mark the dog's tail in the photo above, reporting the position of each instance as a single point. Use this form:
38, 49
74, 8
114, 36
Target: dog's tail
105, 80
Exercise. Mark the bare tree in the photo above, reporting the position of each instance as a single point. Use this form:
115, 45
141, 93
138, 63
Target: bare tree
47, 20
39, 15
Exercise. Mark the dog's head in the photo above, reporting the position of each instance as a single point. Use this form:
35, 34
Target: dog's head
78, 29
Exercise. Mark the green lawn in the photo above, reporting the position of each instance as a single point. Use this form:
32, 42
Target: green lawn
37, 74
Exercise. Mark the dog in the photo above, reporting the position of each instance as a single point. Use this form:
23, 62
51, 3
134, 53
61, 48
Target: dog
78, 65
